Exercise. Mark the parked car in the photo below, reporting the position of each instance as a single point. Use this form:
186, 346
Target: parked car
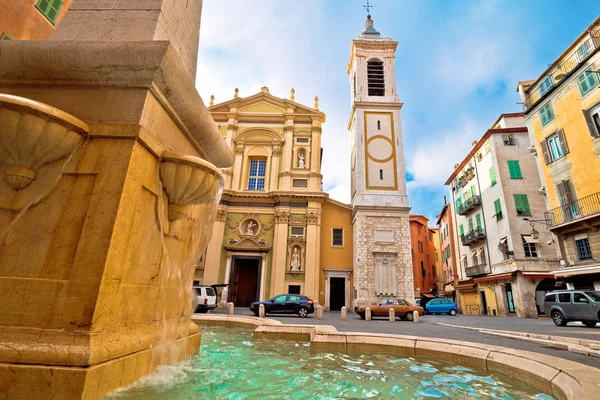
206, 298
573, 305
286, 304
441, 306
401, 307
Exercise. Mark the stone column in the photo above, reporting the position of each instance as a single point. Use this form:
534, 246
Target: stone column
275, 168
212, 263
279, 263
237, 167
313, 239
225, 292
288, 132
263, 274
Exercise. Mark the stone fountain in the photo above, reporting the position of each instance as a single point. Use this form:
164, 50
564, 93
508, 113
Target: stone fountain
109, 179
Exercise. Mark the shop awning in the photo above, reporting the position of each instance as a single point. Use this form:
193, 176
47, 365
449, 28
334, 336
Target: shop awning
538, 275
496, 277
574, 271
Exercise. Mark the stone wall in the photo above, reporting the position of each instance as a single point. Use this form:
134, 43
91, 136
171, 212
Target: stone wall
366, 249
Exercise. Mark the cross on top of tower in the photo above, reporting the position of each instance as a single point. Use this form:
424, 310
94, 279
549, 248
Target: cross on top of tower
368, 6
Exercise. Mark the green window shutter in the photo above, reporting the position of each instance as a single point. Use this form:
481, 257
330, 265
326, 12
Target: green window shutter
492, 176
546, 114
470, 224
50, 8
563, 142
514, 169
478, 220
545, 151
522, 204
462, 230
587, 81
498, 206
473, 190
590, 123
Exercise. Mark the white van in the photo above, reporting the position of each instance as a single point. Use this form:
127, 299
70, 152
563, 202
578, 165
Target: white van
206, 298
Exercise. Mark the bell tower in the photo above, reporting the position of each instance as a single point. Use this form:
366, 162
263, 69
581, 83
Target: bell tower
382, 252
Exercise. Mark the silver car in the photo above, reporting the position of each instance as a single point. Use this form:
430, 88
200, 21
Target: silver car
573, 305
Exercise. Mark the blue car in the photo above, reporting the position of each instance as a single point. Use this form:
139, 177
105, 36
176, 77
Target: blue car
441, 306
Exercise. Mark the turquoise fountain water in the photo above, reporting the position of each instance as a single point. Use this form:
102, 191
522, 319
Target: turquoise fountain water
231, 365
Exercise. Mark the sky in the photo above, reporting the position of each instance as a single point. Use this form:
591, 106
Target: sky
457, 67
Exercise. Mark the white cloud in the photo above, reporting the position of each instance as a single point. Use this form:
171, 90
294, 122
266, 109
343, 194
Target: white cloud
433, 160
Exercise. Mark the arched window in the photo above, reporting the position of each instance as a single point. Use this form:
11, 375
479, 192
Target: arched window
375, 78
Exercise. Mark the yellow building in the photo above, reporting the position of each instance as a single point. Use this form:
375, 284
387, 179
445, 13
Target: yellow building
439, 269
276, 230
562, 110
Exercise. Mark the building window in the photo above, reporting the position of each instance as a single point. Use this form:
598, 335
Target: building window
430, 236
419, 229
584, 251
545, 85
381, 174
461, 229
302, 140
584, 50
420, 246
587, 81
592, 118
375, 78
488, 147
378, 124
4, 36
492, 176
508, 140
470, 224
554, 147
294, 289
546, 114
256, 177
529, 246
50, 9
478, 221
337, 237
498, 209
482, 256
514, 169
522, 204
503, 247
297, 231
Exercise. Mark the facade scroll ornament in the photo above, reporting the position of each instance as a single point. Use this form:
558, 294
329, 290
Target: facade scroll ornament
282, 217
312, 217
221, 215
276, 150
239, 149
232, 127
288, 128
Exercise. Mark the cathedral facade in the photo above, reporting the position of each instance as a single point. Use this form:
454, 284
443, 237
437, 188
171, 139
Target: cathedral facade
276, 230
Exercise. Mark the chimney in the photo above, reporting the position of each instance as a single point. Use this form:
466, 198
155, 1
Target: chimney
445, 200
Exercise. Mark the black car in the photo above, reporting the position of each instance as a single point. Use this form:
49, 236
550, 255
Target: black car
286, 304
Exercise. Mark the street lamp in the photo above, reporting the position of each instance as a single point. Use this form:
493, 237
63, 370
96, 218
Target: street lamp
534, 234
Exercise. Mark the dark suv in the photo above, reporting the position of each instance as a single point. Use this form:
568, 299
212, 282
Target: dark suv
573, 305
286, 304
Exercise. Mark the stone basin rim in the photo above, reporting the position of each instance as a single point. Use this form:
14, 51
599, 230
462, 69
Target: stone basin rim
192, 161
568, 379
36, 107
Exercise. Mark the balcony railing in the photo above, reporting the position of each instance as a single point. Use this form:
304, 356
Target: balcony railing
581, 208
473, 237
469, 205
563, 70
475, 270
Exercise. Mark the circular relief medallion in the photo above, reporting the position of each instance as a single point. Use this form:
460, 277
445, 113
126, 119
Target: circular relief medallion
380, 149
250, 227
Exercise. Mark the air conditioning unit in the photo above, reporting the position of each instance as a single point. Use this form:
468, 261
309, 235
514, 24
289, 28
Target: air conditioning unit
532, 149
542, 190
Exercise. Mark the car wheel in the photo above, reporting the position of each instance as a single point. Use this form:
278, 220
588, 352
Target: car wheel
361, 315
452, 312
589, 324
558, 318
409, 316
303, 312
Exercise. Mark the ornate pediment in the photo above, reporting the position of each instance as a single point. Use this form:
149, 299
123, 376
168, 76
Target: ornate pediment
250, 226
262, 107
248, 244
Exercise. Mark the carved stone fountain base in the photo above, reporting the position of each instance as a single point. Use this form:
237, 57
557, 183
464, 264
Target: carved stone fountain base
90, 300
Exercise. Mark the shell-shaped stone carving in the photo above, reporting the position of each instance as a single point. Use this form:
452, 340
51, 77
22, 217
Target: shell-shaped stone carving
188, 180
33, 134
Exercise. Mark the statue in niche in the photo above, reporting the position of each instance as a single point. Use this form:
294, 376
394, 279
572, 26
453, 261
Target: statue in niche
295, 262
301, 160
250, 228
